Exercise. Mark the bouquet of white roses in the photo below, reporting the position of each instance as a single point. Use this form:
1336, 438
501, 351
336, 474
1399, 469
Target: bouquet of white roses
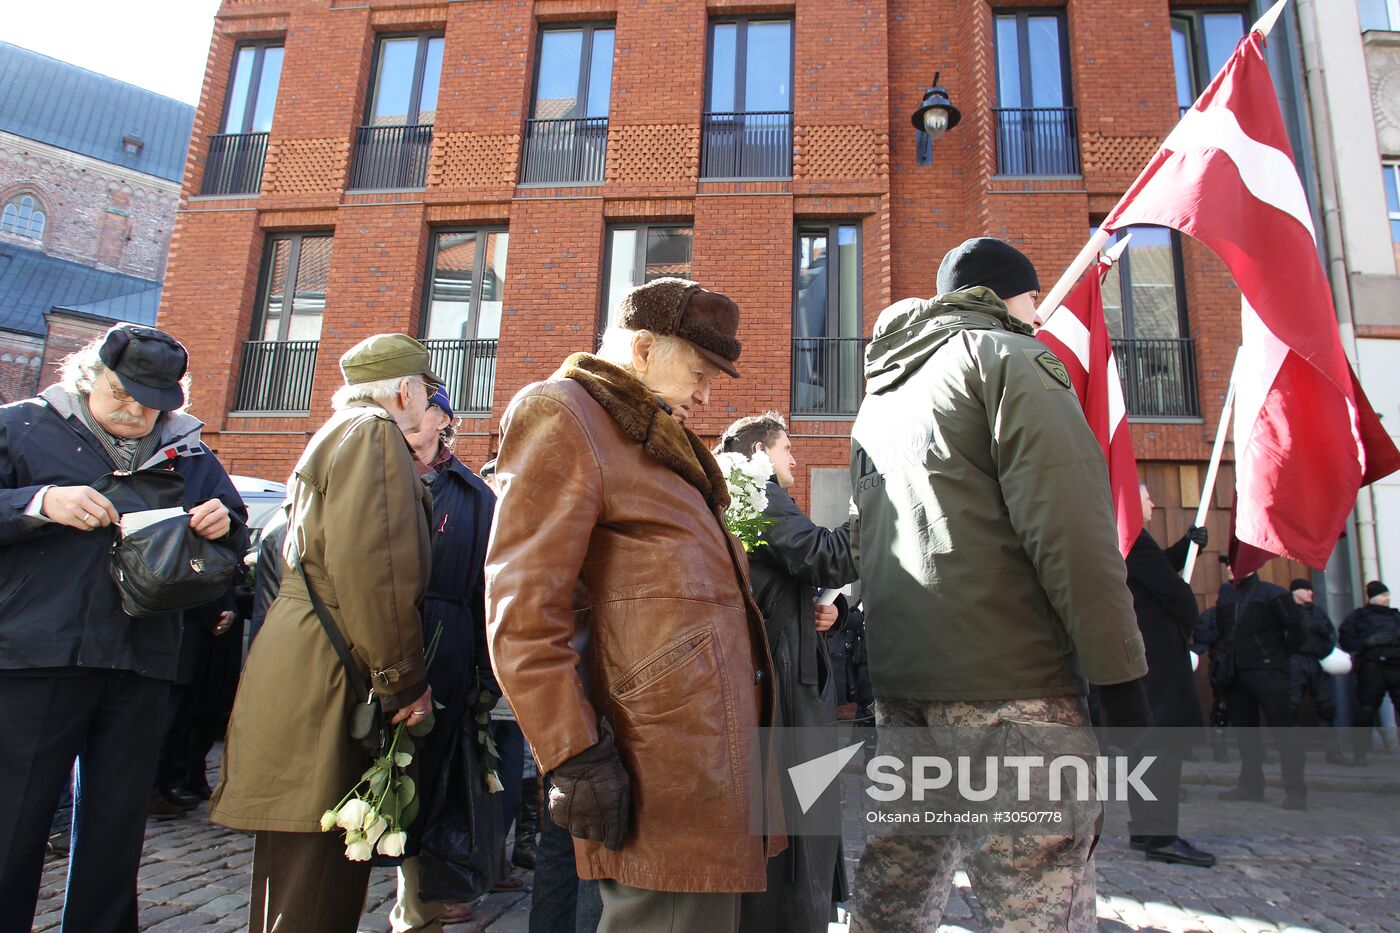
747, 479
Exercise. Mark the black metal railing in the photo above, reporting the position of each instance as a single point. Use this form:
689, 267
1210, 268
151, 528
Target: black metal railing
234, 164
276, 375
1159, 377
564, 152
746, 145
391, 156
469, 366
1036, 141
828, 375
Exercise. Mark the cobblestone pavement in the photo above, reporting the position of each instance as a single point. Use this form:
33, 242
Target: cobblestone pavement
1333, 868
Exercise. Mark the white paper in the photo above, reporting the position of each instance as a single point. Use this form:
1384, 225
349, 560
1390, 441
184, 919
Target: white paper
829, 596
135, 521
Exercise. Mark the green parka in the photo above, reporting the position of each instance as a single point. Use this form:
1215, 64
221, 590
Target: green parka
981, 515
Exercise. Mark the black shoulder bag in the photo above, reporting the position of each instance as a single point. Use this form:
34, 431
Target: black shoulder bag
367, 724
164, 567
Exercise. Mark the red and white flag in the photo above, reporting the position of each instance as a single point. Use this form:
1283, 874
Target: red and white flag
1078, 335
1306, 439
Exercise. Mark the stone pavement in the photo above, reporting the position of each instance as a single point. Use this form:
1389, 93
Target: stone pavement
1328, 869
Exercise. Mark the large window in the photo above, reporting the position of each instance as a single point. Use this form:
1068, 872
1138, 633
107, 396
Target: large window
638, 253
1035, 121
280, 360
1144, 305
462, 321
747, 125
22, 216
827, 346
1391, 171
391, 148
1202, 42
1379, 14
236, 152
566, 137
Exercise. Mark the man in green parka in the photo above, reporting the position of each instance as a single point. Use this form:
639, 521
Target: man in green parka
994, 591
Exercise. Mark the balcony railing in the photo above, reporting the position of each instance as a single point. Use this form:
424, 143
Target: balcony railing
276, 375
469, 366
828, 375
565, 152
234, 164
1159, 377
391, 156
746, 145
1036, 141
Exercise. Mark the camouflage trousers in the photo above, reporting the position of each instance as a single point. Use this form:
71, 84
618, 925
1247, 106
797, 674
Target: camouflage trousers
1022, 882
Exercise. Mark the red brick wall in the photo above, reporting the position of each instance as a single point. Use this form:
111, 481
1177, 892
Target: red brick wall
20, 359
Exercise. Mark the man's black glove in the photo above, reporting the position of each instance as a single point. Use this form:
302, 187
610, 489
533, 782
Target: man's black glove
1125, 705
1199, 535
592, 795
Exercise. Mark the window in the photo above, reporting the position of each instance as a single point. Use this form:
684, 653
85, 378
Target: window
637, 254
1036, 132
1202, 42
22, 216
391, 148
237, 151
280, 360
1379, 14
747, 125
828, 347
1391, 171
462, 322
567, 135
1146, 314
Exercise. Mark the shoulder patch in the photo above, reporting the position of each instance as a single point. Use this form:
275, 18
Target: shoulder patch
1049, 368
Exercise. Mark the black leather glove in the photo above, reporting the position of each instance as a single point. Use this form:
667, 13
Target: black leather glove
592, 795
1125, 705
1199, 535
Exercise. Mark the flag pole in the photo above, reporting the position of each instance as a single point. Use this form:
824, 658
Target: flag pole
1086, 256
1110, 256
1208, 492
1266, 22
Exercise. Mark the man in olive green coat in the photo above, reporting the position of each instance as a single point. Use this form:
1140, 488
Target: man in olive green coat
984, 534
359, 520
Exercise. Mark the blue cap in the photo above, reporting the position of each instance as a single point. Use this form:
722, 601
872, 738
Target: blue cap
439, 398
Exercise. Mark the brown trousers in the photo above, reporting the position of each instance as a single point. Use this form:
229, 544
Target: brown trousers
303, 883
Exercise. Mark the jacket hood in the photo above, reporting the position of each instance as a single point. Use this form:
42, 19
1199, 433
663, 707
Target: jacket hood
909, 332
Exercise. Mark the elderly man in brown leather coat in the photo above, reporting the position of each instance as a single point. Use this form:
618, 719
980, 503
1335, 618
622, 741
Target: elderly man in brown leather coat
645, 715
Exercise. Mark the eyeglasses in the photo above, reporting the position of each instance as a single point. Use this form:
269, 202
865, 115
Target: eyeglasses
117, 391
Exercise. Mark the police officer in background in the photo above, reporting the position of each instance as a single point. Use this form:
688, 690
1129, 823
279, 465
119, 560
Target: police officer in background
1371, 635
1305, 673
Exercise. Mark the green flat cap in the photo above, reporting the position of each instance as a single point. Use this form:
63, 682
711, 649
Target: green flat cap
387, 356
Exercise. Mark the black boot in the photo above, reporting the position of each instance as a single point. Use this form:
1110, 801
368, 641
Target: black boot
527, 823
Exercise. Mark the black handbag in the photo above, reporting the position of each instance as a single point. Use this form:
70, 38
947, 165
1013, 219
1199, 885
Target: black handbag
164, 567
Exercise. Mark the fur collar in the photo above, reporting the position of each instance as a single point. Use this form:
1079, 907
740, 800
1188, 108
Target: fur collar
633, 406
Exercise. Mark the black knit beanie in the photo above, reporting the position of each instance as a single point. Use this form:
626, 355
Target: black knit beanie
1376, 588
1299, 584
985, 261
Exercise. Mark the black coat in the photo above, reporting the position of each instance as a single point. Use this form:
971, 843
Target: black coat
1372, 634
58, 605
1167, 618
1321, 637
1259, 626
799, 559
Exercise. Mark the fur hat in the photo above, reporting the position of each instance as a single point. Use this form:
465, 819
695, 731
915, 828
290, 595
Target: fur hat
675, 307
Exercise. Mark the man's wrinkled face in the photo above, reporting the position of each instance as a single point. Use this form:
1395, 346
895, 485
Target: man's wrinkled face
784, 463
682, 380
1147, 505
116, 411
1303, 597
424, 438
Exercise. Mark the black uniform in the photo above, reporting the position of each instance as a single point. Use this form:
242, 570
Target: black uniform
1371, 635
1259, 627
1305, 674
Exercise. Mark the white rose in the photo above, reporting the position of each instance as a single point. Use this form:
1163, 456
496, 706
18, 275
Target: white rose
760, 467
729, 462
376, 829
359, 851
352, 815
391, 844
329, 820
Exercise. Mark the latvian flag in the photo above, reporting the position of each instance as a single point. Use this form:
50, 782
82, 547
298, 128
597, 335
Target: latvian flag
1306, 439
1077, 333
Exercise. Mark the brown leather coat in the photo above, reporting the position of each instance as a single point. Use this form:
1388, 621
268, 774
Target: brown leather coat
598, 485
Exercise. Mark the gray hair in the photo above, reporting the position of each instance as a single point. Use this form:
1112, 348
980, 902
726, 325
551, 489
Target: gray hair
379, 391
616, 346
79, 370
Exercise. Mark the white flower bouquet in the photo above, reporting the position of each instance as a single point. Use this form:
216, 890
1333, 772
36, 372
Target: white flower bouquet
747, 479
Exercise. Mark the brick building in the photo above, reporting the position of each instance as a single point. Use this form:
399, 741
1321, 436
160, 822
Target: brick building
89, 181
492, 174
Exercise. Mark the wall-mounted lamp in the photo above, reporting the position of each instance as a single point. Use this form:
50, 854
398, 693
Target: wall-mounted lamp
935, 116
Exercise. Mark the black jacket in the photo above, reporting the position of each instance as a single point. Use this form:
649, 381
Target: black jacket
267, 573
1167, 616
1319, 635
1372, 634
799, 559
1259, 625
58, 605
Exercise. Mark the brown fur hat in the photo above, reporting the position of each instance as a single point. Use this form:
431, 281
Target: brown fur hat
681, 308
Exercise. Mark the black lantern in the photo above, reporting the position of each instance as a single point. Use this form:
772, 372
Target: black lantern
935, 116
